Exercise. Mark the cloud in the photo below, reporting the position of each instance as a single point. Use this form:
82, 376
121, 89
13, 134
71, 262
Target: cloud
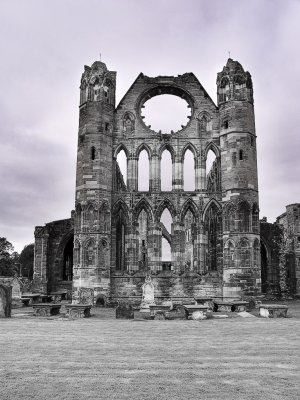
44, 46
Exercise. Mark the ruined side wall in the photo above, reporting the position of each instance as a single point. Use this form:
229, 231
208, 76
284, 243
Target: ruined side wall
50, 242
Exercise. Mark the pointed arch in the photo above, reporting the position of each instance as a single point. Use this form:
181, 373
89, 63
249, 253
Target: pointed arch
104, 216
243, 253
204, 121
169, 148
243, 216
189, 205
143, 165
120, 205
212, 202
128, 122
229, 250
166, 169
191, 147
143, 204
213, 147
212, 218
64, 256
89, 252
229, 217
189, 172
120, 147
141, 147
166, 203
229, 243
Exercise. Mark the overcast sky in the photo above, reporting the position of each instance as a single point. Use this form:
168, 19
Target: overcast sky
45, 44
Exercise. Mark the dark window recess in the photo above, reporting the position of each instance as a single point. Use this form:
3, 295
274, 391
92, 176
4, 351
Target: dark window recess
251, 140
299, 239
234, 159
106, 126
93, 153
241, 155
226, 124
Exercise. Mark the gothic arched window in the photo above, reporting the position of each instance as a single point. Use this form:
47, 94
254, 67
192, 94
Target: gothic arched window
89, 254
243, 254
229, 255
243, 217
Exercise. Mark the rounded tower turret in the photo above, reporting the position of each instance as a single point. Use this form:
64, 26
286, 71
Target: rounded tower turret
94, 180
239, 181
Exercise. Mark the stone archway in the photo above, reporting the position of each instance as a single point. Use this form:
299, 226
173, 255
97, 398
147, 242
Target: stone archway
68, 260
264, 267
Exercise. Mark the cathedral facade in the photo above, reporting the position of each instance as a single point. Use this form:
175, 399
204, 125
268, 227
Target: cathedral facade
114, 237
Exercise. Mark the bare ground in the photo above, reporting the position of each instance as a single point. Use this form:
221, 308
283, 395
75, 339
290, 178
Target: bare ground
104, 358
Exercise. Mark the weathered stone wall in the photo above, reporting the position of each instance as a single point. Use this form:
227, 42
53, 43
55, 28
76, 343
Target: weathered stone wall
112, 251
271, 240
50, 244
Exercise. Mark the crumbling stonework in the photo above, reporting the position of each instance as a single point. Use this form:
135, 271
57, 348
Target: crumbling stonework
118, 232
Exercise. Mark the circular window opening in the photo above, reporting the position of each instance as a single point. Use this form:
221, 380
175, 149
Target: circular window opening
166, 113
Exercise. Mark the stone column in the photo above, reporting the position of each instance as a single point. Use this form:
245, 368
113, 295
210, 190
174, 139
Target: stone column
132, 173
154, 247
178, 246
155, 184
201, 173
177, 174
202, 246
41, 258
132, 248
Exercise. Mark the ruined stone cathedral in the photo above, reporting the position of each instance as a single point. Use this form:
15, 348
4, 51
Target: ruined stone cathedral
113, 239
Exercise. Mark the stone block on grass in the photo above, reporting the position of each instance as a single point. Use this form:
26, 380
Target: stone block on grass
124, 311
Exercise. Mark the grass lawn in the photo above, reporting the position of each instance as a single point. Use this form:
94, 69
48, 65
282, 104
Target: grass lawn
104, 358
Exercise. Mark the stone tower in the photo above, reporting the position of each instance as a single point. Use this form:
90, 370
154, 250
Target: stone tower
94, 180
241, 240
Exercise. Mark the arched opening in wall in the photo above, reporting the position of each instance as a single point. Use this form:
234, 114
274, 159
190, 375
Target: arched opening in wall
89, 254
189, 230
143, 171
166, 256
120, 242
166, 113
166, 228
229, 255
243, 217
229, 218
167, 220
213, 229
122, 163
142, 238
166, 171
93, 153
68, 260
101, 301
264, 268
189, 171
243, 254
210, 160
